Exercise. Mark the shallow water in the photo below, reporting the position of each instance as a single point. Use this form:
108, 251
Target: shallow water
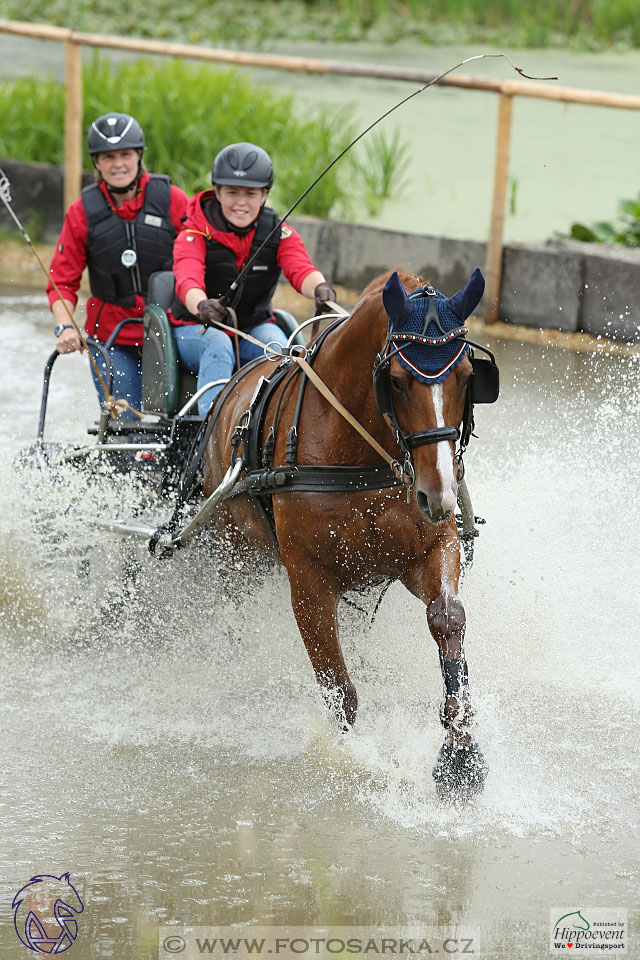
163, 739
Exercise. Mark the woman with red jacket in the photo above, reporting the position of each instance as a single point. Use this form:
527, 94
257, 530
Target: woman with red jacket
224, 228
122, 228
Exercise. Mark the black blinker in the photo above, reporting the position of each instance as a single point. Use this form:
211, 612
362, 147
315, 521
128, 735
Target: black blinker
382, 386
485, 381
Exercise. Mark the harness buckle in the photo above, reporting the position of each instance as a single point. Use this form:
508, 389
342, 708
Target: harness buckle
405, 472
241, 429
408, 475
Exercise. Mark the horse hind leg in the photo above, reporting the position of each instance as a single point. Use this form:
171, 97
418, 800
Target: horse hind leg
460, 769
315, 607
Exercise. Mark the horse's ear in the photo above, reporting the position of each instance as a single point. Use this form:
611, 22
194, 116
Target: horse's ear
464, 302
395, 300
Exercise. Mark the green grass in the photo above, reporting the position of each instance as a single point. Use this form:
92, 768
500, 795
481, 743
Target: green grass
189, 113
252, 23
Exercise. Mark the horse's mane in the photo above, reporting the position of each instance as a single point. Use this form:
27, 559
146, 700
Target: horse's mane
409, 281
375, 287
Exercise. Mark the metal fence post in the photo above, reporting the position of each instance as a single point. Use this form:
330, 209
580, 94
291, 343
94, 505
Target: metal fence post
72, 123
501, 178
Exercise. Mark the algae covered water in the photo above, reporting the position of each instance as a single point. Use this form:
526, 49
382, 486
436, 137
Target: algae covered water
163, 739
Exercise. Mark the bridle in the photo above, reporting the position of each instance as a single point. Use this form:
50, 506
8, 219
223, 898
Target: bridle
483, 385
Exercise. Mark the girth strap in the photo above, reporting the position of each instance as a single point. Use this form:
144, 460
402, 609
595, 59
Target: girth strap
315, 479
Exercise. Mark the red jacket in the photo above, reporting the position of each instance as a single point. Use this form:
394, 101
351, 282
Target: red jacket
189, 250
70, 259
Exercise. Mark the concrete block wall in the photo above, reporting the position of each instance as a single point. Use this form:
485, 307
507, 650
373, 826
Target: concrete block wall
610, 298
560, 285
353, 254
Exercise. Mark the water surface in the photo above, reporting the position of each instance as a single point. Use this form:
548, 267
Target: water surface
163, 738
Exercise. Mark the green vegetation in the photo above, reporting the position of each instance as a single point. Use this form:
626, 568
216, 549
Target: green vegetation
626, 231
188, 113
252, 23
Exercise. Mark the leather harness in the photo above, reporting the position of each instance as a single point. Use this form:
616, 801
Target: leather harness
262, 479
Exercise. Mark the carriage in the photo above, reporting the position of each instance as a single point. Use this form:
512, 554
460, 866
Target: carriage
157, 443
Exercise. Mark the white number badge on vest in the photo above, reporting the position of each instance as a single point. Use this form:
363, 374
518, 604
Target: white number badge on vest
129, 258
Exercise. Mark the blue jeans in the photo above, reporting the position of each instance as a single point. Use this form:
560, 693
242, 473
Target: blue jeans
127, 377
212, 356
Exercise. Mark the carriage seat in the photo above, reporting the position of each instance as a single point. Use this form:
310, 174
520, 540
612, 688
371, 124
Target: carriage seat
166, 385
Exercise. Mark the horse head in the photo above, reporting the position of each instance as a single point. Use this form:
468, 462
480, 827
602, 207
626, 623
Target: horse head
422, 385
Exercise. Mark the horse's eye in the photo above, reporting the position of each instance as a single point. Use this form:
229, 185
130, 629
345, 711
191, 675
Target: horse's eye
397, 385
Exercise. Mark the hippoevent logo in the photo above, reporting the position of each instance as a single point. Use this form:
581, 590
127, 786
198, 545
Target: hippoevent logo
44, 914
589, 928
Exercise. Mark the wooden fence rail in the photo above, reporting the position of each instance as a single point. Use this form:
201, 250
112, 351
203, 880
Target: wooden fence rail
505, 89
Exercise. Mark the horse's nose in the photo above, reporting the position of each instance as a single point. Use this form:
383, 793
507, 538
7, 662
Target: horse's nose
434, 506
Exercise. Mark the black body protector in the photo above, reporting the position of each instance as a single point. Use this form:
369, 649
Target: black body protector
122, 254
252, 299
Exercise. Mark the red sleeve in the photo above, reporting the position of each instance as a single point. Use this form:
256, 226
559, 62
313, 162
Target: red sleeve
189, 253
177, 207
293, 258
70, 257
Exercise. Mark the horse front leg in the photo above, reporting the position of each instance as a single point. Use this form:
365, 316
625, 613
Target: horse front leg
315, 605
460, 769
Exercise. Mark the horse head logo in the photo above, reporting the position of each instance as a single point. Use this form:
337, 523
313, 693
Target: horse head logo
579, 924
44, 901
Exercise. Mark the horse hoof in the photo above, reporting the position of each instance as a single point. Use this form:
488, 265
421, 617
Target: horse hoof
459, 772
343, 705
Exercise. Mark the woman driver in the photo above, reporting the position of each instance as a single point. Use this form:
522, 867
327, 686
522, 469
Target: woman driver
122, 228
224, 227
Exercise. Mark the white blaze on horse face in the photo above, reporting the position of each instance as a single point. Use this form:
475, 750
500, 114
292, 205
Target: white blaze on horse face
445, 460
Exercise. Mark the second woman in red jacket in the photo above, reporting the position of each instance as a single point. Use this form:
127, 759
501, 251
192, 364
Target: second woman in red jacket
224, 227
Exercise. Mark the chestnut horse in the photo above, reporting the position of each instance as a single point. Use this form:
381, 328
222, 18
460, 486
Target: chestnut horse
332, 542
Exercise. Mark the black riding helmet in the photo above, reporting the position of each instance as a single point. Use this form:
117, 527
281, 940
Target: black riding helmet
243, 164
116, 131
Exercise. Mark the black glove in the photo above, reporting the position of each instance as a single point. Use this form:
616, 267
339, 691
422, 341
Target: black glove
211, 310
322, 293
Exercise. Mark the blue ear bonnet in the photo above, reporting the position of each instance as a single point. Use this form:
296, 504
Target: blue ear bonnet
434, 352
